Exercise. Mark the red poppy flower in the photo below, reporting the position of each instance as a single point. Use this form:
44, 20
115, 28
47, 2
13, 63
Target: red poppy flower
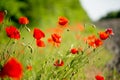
2, 74
12, 32
56, 38
38, 34
62, 21
103, 35
109, 31
40, 43
29, 67
23, 20
12, 69
2, 14
99, 77
90, 38
74, 50
92, 44
98, 42
50, 40
59, 63
93, 41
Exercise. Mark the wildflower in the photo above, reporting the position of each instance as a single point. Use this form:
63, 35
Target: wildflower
2, 75
109, 31
23, 20
103, 35
2, 14
40, 43
74, 50
56, 38
50, 40
90, 40
93, 41
12, 69
92, 44
98, 42
59, 63
12, 32
38, 34
62, 21
29, 67
99, 77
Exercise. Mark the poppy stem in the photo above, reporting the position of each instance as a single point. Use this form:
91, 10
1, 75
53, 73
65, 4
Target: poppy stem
5, 49
1, 28
27, 28
20, 28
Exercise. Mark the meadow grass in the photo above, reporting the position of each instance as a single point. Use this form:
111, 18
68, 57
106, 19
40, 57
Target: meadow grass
76, 67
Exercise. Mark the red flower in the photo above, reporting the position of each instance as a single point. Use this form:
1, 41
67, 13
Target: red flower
56, 38
2, 14
29, 67
74, 50
93, 41
59, 63
23, 20
103, 35
62, 21
38, 34
109, 31
2, 74
40, 43
12, 69
99, 77
50, 40
98, 42
12, 32
90, 38
92, 44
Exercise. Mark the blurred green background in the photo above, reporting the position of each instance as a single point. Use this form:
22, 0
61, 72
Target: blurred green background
44, 12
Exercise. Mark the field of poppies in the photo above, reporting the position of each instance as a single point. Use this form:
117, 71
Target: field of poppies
63, 52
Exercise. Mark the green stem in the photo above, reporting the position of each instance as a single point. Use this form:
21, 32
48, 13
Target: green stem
5, 49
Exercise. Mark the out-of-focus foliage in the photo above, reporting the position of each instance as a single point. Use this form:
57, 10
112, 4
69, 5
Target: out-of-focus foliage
44, 11
112, 15
13, 7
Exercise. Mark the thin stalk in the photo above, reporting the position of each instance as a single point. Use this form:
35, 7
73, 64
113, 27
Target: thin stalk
4, 51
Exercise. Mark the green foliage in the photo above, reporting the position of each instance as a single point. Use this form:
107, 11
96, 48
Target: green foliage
47, 12
13, 7
112, 15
